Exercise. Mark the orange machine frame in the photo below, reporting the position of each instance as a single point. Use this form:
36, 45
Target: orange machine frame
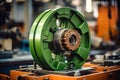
100, 73
105, 26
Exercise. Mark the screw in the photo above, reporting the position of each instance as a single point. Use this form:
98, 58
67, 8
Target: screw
19, 77
110, 75
35, 65
84, 78
46, 79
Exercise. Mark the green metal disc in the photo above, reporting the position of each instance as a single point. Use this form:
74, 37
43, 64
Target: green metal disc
32, 35
41, 39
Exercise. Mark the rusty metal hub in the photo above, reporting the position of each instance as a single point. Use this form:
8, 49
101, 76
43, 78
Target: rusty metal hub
67, 39
70, 40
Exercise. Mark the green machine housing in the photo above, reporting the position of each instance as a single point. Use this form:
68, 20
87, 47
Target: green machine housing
59, 39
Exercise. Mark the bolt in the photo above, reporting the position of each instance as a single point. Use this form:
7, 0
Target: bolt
19, 77
46, 79
35, 65
110, 75
84, 78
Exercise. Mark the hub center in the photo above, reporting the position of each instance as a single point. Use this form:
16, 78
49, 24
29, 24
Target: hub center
66, 39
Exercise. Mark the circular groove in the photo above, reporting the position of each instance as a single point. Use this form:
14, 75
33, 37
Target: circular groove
32, 38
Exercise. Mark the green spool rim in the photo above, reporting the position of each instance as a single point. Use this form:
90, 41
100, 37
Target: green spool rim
32, 39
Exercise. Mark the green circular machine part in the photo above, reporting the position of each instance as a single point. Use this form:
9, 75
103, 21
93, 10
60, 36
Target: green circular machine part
60, 38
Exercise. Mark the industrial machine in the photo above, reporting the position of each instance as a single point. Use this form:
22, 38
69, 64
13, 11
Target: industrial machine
60, 43
59, 39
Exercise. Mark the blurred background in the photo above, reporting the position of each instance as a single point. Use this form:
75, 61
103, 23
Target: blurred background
16, 17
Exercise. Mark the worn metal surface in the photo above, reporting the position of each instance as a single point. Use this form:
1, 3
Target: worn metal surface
100, 73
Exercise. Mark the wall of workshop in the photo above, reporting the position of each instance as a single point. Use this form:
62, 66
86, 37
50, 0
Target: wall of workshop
22, 12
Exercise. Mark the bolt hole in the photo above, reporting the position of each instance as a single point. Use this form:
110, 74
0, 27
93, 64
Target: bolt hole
72, 40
